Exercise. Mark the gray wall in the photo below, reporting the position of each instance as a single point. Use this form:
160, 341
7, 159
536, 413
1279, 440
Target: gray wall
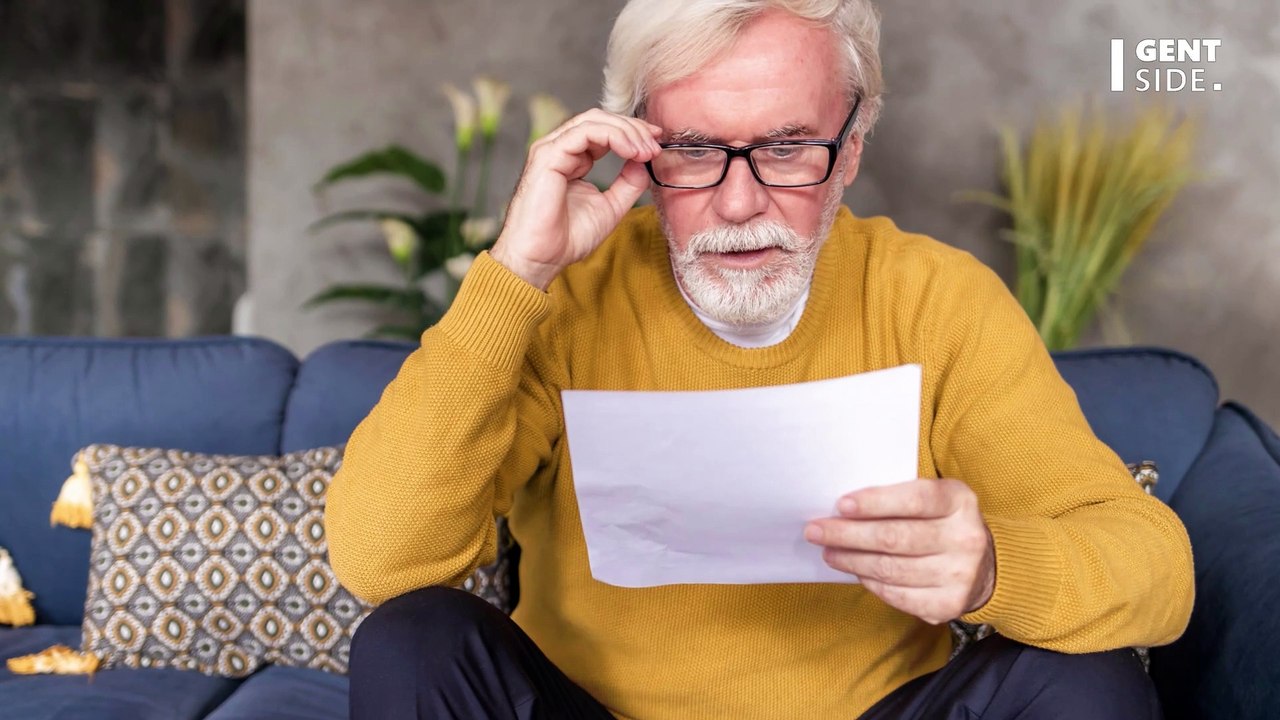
329, 78
121, 166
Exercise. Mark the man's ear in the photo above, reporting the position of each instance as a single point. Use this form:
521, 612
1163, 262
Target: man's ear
852, 158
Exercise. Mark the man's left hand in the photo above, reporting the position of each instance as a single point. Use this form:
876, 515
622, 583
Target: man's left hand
921, 546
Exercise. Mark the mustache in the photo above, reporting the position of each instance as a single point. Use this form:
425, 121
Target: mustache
742, 238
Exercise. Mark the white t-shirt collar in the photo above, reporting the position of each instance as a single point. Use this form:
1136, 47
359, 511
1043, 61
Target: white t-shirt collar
751, 336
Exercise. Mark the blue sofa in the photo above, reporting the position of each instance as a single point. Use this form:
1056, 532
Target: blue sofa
1219, 469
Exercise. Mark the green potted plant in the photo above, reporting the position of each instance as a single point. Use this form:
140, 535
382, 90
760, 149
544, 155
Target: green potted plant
437, 240
1083, 196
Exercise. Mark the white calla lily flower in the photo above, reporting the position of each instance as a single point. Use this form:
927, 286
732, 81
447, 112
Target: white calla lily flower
465, 116
458, 265
491, 95
401, 240
546, 112
476, 232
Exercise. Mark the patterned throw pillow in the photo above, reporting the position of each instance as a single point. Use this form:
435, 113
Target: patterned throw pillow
219, 563
213, 563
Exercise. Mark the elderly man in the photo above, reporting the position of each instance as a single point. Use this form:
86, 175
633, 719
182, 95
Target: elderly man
747, 119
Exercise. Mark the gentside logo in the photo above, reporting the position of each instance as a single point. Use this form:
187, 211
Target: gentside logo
1154, 56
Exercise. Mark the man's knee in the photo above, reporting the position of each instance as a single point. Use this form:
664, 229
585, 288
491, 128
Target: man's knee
427, 623
1096, 685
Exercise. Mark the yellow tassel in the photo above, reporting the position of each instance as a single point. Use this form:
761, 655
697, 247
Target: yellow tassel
15, 602
16, 610
74, 506
57, 660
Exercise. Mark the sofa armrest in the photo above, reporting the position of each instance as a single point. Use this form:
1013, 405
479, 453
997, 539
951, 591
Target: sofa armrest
1227, 664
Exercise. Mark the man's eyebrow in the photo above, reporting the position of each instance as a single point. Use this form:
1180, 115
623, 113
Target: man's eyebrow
789, 130
690, 135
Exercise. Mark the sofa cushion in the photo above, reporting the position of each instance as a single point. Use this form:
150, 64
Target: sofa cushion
224, 395
1225, 664
107, 695
283, 693
1146, 403
215, 563
337, 385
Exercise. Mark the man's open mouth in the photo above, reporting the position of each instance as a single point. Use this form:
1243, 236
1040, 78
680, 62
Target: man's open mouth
747, 258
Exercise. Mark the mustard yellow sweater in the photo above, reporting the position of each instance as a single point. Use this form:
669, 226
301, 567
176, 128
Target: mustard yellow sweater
471, 428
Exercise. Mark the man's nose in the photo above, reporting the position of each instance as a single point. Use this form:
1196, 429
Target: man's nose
740, 198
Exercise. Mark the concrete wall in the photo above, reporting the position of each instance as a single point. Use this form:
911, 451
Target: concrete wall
328, 79
121, 166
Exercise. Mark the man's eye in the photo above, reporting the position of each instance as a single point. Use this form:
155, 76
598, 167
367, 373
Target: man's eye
694, 154
782, 152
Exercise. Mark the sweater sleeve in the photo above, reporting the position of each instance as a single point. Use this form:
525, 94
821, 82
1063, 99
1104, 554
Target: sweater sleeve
468, 419
1085, 560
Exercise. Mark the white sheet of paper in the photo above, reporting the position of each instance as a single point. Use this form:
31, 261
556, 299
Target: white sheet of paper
716, 486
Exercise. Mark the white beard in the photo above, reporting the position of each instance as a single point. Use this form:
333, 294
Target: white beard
758, 296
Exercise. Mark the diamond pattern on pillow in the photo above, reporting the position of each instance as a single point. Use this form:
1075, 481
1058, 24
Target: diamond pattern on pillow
214, 563
218, 563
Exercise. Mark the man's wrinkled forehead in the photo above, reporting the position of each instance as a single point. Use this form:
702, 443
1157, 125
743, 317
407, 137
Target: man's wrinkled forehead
774, 82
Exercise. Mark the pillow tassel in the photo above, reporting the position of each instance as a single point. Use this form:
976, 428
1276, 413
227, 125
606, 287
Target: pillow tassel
57, 660
16, 609
15, 601
74, 506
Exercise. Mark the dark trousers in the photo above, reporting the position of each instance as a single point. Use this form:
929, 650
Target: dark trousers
442, 653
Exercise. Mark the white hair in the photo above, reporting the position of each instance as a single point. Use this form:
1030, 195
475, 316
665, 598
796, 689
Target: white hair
655, 42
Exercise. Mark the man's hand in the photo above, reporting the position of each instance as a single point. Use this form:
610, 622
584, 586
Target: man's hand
555, 217
921, 546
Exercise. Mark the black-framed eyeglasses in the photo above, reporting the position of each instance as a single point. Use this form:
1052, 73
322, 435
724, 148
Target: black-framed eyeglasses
776, 163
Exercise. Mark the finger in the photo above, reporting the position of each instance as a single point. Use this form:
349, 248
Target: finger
591, 135
648, 130
635, 134
929, 571
914, 499
645, 132
655, 130
900, 537
573, 156
586, 162
928, 604
630, 184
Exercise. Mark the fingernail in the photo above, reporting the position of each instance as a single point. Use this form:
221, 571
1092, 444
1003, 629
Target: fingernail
847, 505
813, 533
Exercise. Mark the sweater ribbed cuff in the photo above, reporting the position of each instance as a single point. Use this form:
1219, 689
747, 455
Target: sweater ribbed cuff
1028, 577
495, 313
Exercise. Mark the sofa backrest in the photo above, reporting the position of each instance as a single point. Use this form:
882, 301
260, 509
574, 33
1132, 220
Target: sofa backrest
216, 395
1146, 403
336, 387
241, 396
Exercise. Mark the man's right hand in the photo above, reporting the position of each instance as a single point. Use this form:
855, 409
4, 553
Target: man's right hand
555, 217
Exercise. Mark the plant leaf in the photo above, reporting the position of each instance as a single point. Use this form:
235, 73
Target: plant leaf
394, 160
438, 232
407, 332
404, 298
362, 215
